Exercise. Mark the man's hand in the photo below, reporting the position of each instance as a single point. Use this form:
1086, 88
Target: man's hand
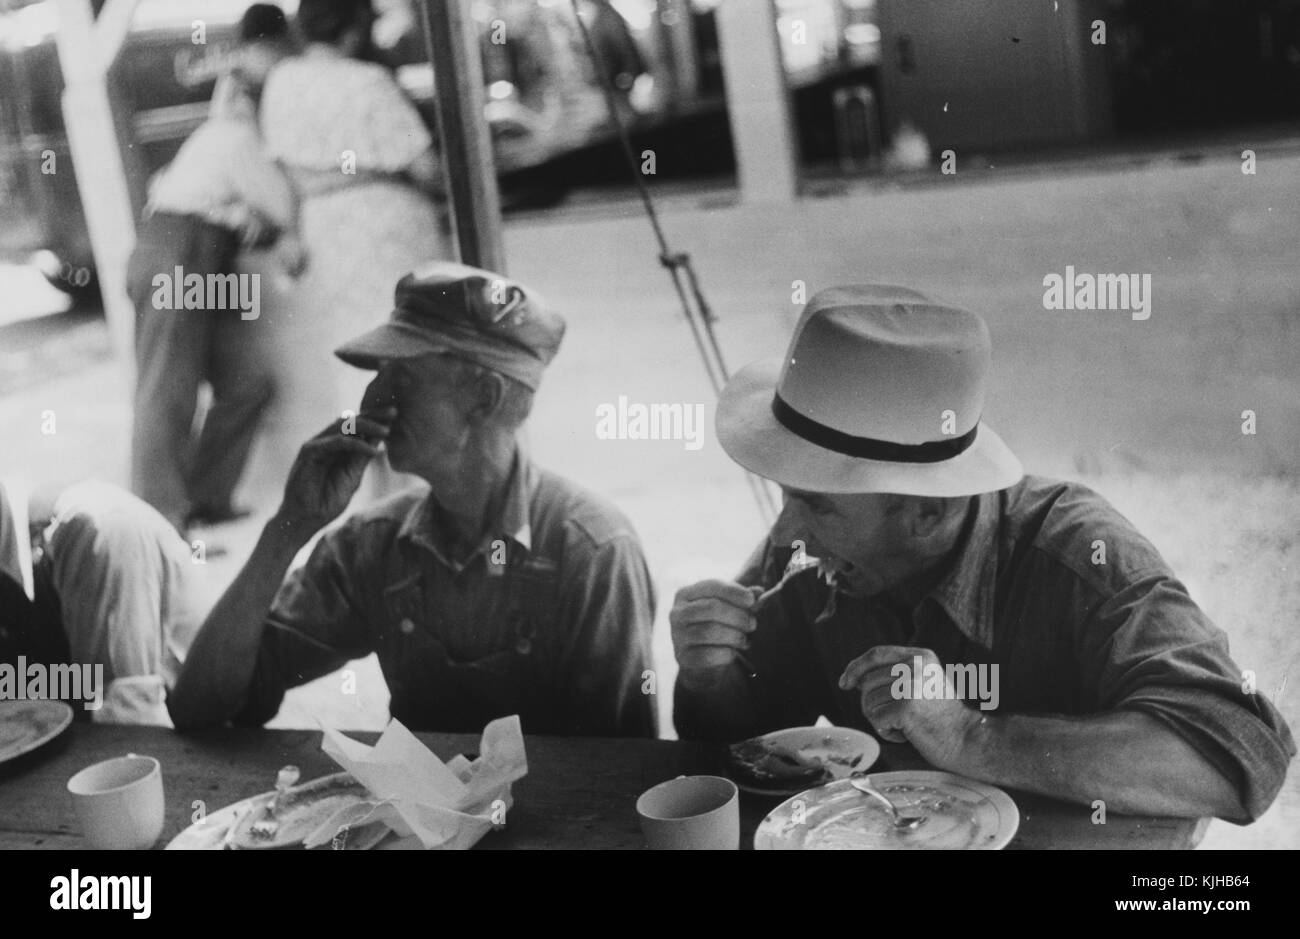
711, 623
937, 728
329, 468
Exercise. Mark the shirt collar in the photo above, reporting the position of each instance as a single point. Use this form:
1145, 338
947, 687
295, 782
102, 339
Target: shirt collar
420, 525
965, 592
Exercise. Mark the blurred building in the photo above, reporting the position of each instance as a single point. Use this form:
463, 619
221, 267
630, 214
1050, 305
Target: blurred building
988, 76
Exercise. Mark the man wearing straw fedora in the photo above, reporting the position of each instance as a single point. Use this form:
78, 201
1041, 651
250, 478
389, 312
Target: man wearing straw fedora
1100, 678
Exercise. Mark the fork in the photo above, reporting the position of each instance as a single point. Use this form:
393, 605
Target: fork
862, 782
267, 826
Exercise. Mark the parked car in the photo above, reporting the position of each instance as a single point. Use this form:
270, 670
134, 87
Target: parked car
543, 105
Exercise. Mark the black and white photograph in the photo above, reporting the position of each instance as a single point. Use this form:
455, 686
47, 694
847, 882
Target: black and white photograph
650, 424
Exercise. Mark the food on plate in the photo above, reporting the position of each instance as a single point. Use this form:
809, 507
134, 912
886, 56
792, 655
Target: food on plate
765, 763
285, 819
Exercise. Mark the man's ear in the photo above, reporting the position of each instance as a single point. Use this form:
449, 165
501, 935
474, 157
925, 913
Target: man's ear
927, 515
487, 396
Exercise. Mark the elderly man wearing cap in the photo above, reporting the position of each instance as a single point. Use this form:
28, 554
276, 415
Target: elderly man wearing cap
1109, 683
502, 589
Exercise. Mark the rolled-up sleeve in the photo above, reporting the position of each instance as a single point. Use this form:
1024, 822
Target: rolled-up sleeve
610, 601
1150, 648
314, 627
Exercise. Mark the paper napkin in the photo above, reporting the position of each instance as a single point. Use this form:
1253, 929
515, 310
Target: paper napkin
426, 802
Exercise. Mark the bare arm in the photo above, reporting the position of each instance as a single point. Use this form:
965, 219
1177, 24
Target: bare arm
214, 681
260, 182
219, 665
1127, 759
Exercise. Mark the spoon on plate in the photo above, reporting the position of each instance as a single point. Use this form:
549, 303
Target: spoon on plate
862, 782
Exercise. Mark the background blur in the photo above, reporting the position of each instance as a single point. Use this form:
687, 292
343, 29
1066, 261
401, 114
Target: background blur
1122, 156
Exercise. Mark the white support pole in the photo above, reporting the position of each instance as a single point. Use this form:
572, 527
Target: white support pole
111, 29
85, 55
758, 103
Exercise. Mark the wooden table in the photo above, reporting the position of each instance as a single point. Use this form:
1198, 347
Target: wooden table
579, 792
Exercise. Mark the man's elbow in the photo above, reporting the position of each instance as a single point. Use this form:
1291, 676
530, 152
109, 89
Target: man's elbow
190, 710
1249, 799
1230, 805
184, 714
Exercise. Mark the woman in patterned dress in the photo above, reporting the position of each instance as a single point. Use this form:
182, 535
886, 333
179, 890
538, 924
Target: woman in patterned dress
361, 158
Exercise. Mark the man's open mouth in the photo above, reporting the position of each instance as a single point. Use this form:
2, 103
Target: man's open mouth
833, 570
830, 569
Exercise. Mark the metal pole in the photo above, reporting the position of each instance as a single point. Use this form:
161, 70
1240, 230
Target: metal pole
452, 41
700, 315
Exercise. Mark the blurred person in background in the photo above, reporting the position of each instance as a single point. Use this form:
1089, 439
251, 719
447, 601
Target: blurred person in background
362, 158
616, 51
92, 575
220, 194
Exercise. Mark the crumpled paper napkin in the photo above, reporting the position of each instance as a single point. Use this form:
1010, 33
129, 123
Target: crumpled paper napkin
426, 802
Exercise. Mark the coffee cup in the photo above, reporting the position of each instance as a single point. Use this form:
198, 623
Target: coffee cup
119, 802
691, 813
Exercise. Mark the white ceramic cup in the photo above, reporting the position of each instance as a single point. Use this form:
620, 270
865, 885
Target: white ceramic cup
691, 813
120, 802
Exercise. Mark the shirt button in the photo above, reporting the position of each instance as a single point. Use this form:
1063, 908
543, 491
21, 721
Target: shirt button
524, 645
406, 626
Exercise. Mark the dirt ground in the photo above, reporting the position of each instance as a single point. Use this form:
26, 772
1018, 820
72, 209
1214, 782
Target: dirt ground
1147, 412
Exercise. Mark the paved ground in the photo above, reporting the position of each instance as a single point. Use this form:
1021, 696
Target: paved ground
1148, 412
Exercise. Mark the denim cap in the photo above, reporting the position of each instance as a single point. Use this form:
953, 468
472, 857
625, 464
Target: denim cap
473, 314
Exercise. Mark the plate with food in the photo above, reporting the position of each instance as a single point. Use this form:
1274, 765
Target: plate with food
289, 817
28, 724
947, 812
785, 762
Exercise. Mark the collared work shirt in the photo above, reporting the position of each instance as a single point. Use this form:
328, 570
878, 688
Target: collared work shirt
549, 619
1027, 592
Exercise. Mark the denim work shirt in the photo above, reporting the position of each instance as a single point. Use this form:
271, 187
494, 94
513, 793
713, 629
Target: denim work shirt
549, 619
1069, 636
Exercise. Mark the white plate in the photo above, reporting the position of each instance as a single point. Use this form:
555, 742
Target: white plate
25, 725
842, 750
209, 834
960, 813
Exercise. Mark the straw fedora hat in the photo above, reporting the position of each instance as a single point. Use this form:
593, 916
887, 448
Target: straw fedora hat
881, 391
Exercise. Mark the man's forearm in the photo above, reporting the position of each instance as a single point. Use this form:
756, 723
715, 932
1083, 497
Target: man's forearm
1129, 760
214, 680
